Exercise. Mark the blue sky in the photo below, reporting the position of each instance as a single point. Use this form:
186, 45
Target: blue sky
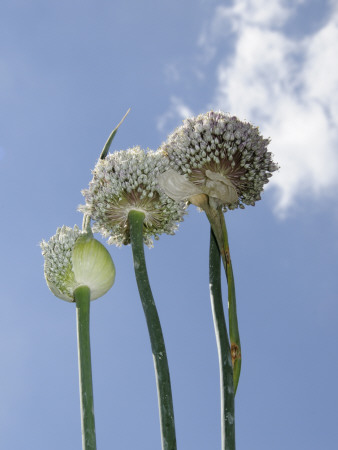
68, 73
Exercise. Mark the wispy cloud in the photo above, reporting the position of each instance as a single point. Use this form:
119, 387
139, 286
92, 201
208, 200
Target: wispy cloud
177, 110
287, 86
171, 72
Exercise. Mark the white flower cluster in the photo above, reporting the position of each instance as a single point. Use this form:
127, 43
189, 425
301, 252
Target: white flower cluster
124, 181
218, 151
58, 261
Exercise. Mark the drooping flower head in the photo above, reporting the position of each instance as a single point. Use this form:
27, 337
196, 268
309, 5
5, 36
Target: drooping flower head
221, 156
74, 258
127, 180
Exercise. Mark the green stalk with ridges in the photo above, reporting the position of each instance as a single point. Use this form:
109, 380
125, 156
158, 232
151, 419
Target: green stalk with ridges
216, 219
166, 410
223, 346
233, 321
82, 298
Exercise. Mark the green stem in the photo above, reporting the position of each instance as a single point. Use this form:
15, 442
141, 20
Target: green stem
166, 409
82, 298
224, 353
233, 320
217, 222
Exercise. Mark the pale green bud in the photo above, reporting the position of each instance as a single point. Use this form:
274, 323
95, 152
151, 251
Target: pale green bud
75, 258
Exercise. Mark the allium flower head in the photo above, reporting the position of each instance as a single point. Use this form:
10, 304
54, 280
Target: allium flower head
223, 157
74, 258
127, 180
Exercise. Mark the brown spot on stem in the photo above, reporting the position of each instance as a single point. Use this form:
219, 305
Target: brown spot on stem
235, 353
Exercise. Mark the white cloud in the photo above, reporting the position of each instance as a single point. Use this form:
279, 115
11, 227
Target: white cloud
227, 20
289, 87
254, 12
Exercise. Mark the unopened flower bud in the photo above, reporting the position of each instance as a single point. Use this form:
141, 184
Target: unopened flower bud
75, 258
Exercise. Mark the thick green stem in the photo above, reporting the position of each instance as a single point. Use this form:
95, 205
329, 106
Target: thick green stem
166, 409
217, 222
82, 298
224, 353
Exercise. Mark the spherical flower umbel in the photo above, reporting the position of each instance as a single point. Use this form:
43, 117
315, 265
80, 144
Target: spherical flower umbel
222, 156
127, 180
73, 258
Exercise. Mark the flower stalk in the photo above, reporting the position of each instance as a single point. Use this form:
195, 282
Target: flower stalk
166, 409
79, 269
233, 321
82, 298
215, 216
223, 346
